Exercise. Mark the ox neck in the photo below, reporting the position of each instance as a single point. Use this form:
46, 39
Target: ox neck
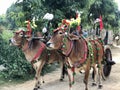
33, 50
26, 46
66, 46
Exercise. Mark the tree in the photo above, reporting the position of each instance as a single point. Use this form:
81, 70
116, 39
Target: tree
29, 9
109, 11
15, 16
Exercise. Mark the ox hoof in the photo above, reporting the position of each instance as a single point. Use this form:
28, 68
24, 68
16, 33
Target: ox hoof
38, 87
94, 84
43, 81
61, 79
35, 89
100, 86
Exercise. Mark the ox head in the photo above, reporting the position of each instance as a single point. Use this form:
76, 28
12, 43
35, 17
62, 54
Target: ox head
19, 38
57, 38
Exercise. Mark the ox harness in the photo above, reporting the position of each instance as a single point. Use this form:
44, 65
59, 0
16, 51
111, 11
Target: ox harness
28, 45
39, 52
88, 51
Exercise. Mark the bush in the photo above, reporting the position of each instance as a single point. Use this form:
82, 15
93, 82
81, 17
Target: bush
14, 61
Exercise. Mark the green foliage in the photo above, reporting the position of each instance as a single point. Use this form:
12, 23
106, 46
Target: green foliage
15, 16
29, 9
3, 21
14, 61
109, 11
6, 35
15, 64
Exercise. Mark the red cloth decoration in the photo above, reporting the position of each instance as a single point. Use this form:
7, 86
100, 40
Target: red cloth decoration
73, 69
29, 28
78, 28
64, 21
76, 15
38, 54
101, 23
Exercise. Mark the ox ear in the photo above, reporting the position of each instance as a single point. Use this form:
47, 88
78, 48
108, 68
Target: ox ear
28, 38
73, 37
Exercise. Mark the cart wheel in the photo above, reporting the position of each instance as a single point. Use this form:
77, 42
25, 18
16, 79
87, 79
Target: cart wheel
107, 66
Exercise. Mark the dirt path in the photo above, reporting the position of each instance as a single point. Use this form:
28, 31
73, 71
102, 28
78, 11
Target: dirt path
53, 83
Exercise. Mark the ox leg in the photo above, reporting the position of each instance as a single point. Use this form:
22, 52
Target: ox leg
42, 79
63, 72
95, 76
71, 78
87, 71
100, 76
39, 65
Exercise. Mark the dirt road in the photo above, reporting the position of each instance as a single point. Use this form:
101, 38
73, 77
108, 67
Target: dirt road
53, 83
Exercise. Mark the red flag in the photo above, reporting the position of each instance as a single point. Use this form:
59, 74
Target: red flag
101, 23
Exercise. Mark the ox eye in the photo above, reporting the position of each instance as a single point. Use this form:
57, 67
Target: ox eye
60, 33
21, 34
65, 26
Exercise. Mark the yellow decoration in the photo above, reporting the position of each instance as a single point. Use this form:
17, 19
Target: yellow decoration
72, 22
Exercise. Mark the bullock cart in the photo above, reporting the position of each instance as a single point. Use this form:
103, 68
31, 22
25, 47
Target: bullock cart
82, 53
